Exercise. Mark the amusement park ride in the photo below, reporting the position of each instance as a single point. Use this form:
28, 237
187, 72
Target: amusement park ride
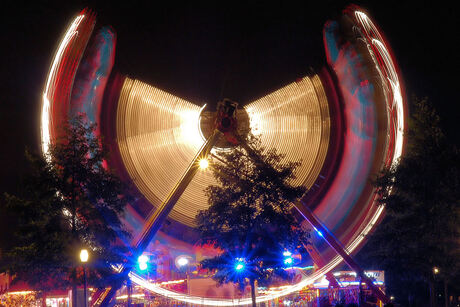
346, 124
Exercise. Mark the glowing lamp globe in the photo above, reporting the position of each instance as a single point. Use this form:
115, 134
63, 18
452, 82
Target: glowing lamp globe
182, 261
84, 255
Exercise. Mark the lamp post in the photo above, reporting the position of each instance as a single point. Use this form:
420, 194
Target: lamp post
432, 287
84, 258
183, 263
129, 289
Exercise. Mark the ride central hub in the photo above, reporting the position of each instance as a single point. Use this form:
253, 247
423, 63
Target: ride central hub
232, 121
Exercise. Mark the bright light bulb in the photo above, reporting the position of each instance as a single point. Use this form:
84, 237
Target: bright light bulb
84, 255
182, 261
204, 163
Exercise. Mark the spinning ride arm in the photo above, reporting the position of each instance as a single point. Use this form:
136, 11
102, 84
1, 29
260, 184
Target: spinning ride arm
335, 244
225, 123
155, 221
319, 261
330, 239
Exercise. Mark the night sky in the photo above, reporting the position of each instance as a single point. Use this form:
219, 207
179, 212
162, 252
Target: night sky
205, 52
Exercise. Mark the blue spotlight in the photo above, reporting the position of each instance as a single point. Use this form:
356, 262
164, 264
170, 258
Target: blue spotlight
142, 262
287, 258
239, 265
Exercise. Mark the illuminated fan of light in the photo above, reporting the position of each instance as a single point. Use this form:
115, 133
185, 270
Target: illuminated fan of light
158, 135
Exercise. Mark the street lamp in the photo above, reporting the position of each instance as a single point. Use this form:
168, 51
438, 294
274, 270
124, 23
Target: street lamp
183, 262
84, 258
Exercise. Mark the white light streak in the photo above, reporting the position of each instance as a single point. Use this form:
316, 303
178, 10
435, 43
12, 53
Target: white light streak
393, 87
325, 284
394, 96
389, 75
20, 292
212, 301
48, 92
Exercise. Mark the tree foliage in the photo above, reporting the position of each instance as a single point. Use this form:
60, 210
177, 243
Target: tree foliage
249, 215
68, 202
422, 224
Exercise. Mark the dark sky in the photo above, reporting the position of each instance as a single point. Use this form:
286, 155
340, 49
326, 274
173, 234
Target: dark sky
204, 52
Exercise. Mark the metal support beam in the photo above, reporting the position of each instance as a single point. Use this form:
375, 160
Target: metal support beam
319, 261
305, 211
155, 221
335, 244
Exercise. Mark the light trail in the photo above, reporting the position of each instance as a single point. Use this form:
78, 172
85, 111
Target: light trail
208, 301
395, 105
159, 133
48, 93
387, 68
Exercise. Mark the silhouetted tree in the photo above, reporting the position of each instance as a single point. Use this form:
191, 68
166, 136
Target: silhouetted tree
249, 218
69, 201
422, 224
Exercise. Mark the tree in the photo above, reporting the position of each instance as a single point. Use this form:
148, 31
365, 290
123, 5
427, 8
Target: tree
68, 201
249, 218
421, 229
